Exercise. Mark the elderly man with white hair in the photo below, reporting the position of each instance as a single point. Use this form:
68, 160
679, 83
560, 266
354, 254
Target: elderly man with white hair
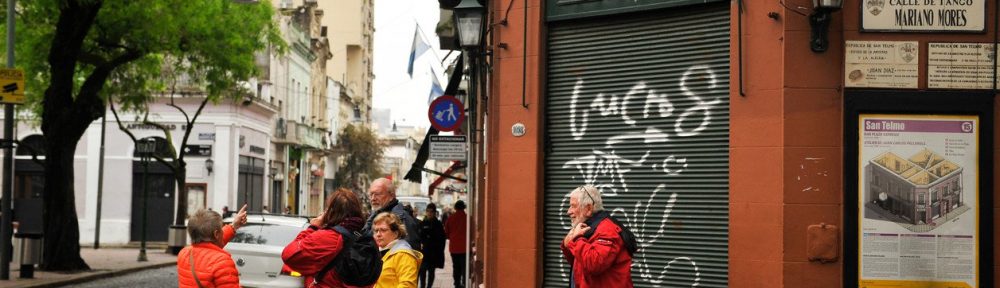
383, 199
598, 247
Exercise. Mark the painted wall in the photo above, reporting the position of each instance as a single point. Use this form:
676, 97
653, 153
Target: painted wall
787, 140
511, 237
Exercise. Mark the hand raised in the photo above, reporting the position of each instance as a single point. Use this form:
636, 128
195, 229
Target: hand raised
241, 218
318, 221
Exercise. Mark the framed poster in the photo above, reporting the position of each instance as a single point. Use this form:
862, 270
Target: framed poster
920, 197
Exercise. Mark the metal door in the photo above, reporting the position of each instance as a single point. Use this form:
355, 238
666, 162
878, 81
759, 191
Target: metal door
638, 105
160, 205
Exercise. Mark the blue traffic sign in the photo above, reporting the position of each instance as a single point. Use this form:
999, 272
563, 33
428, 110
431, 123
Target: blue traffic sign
446, 113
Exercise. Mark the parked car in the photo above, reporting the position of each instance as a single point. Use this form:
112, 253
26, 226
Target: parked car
257, 247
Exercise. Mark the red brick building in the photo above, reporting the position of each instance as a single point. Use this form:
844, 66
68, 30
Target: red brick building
713, 130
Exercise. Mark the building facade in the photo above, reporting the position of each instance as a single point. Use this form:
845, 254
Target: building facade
724, 141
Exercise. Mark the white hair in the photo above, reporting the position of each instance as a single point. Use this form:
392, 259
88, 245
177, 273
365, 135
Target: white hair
592, 197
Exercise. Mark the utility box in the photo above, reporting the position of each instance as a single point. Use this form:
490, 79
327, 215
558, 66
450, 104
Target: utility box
27, 252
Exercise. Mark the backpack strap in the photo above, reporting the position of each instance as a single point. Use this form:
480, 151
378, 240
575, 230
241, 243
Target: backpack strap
631, 243
193, 273
348, 240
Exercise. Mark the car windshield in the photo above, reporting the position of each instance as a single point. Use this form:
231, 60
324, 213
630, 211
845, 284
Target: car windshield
266, 234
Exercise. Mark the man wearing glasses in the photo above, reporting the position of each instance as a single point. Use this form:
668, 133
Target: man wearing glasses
383, 199
598, 247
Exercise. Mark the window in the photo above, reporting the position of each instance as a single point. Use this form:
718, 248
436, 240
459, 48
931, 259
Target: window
250, 183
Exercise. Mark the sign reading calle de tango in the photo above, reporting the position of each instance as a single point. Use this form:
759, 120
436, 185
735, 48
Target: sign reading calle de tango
882, 64
923, 15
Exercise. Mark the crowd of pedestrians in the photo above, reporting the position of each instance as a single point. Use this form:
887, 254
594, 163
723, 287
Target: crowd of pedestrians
341, 248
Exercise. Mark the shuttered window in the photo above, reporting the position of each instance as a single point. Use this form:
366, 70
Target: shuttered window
638, 105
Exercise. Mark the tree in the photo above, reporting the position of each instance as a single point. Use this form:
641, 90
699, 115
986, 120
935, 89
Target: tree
362, 152
72, 49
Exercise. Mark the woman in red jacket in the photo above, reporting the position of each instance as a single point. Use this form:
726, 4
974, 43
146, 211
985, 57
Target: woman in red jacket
315, 247
204, 263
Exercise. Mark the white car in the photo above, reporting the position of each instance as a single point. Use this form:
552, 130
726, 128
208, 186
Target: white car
257, 247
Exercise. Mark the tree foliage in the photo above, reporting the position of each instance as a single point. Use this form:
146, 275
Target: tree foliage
79, 54
362, 152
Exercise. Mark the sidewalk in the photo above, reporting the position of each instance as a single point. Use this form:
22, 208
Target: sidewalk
104, 263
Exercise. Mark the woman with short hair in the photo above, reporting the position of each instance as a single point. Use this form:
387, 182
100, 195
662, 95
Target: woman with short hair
204, 263
400, 263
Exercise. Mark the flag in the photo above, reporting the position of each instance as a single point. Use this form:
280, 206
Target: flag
418, 48
436, 89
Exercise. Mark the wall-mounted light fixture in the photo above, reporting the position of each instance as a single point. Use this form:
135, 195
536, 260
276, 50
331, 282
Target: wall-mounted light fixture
208, 165
469, 20
819, 20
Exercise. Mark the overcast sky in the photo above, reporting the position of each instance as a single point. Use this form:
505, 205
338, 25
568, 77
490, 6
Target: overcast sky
395, 22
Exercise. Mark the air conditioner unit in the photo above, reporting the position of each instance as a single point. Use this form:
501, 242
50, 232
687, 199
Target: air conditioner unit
285, 4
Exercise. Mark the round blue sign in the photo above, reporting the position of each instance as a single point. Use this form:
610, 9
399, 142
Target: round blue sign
446, 113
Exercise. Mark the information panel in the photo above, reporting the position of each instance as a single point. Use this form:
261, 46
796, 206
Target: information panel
960, 65
918, 201
881, 64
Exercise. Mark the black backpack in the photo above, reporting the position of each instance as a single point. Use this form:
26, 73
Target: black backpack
631, 244
359, 263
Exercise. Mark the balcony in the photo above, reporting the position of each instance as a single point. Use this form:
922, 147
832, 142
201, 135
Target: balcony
294, 133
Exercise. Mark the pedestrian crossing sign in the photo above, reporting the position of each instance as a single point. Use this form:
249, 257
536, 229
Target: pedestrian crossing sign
446, 113
12, 86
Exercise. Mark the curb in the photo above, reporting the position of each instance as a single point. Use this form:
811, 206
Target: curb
98, 275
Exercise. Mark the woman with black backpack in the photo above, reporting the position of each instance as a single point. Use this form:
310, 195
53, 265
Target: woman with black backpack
333, 244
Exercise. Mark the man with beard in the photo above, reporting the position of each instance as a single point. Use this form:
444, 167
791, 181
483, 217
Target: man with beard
383, 199
598, 247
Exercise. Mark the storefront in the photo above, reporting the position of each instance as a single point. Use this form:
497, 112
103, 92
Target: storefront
733, 141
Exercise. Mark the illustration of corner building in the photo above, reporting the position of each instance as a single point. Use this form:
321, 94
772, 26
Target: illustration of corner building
918, 189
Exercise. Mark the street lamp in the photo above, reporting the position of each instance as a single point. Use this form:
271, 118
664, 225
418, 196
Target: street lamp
819, 21
145, 147
469, 22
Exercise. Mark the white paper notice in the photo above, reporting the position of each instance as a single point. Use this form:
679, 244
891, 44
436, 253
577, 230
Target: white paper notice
881, 64
960, 65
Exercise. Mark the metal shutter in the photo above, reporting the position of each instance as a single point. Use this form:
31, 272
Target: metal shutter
638, 105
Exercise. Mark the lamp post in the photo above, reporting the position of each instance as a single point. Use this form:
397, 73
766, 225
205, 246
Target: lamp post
469, 18
819, 21
469, 22
145, 147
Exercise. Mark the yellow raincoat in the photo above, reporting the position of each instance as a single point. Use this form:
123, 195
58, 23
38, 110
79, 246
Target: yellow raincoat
400, 266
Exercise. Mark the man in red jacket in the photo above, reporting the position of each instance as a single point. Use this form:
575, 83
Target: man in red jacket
594, 246
455, 229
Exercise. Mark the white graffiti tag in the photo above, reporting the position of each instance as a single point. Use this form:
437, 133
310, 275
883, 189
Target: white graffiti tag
658, 103
607, 170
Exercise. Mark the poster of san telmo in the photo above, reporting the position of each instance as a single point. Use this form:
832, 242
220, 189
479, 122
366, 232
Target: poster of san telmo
918, 201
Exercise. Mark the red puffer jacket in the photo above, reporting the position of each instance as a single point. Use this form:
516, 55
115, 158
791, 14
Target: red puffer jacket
312, 250
601, 260
214, 266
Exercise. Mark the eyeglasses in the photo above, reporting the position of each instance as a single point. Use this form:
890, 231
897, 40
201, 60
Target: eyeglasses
586, 191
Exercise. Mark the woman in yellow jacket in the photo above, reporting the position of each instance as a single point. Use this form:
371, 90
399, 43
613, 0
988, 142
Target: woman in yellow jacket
400, 263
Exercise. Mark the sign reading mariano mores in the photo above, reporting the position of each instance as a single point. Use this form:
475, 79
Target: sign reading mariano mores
923, 15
